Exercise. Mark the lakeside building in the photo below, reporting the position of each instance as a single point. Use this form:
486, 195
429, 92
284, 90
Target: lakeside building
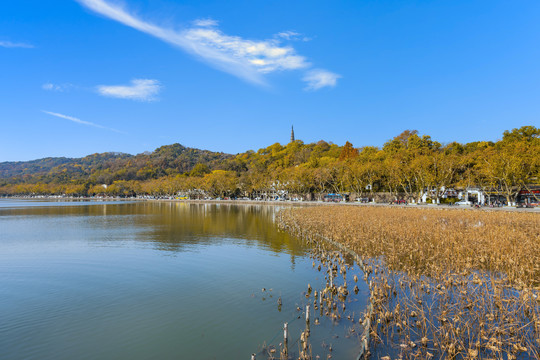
336, 198
529, 195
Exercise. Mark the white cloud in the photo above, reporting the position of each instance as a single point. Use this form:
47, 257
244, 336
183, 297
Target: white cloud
140, 89
262, 56
291, 36
56, 87
9, 44
79, 121
246, 59
205, 22
288, 35
319, 78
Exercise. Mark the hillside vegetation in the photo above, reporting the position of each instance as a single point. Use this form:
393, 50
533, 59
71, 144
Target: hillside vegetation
405, 166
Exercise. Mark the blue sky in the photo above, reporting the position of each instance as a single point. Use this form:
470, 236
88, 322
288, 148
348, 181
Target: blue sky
86, 76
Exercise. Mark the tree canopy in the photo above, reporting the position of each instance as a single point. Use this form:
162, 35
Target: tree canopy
409, 164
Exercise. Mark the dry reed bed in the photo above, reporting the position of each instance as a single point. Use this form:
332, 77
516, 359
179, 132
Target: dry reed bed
444, 283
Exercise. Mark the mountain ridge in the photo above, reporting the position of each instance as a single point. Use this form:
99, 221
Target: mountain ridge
166, 157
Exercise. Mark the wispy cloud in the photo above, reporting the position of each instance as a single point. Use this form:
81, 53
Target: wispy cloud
9, 44
205, 22
255, 56
140, 89
291, 35
288, 35
56, 87
246, 59
82, 122
319, 78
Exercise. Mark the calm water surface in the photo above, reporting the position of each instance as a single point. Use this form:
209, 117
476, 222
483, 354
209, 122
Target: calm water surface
143, 280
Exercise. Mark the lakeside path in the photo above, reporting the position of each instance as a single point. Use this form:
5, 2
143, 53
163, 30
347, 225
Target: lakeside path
353, 204
284, 203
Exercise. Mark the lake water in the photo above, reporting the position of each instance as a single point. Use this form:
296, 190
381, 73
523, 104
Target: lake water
155, 280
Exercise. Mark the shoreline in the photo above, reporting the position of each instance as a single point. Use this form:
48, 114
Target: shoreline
280, 203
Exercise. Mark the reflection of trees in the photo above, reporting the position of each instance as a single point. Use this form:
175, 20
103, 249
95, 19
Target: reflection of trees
174, 225
178, 224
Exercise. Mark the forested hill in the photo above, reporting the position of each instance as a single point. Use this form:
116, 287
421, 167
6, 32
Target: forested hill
44, 166
406, 166
107, 167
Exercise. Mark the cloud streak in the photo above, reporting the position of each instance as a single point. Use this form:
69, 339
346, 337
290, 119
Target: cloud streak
9, 44
205, 22
291, 36
79, 121
140, 89
319, 78
246, 59
56, 87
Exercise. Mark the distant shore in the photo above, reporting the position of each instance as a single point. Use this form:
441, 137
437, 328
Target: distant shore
279, 203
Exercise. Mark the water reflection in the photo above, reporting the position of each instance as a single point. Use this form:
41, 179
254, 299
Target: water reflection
174, 226
151, 280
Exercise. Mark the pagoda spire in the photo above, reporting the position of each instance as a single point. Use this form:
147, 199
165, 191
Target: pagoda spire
292, 133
